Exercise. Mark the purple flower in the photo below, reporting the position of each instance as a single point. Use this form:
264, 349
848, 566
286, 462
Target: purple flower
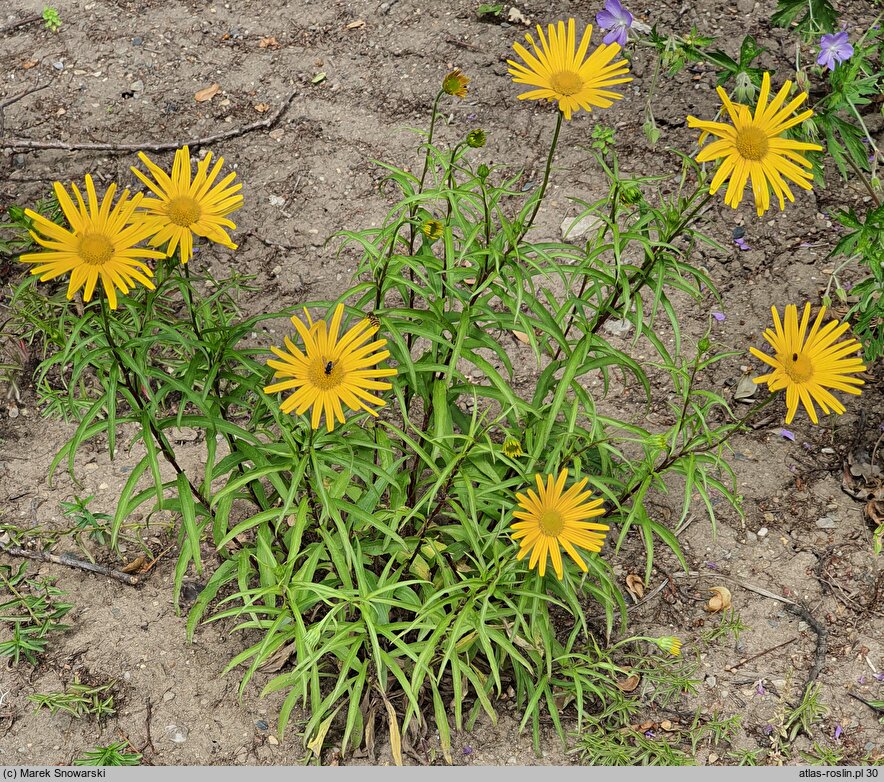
742, 244
787, 434
861, 679
650, 734
838, 731
712, 566
759, 687
467, 750
618, 20
834, 48
879, 677
767, 729
719, 316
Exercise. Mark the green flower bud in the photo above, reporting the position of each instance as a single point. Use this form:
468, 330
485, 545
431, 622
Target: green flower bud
744, 90
630, 194
704, 345
476, 138
483, 171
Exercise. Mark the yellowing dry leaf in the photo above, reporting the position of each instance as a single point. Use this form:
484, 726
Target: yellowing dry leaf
207, 93
522, 337
356, 24
136, 565
629, 683
261, 107
720, 600
269, 42
635, 586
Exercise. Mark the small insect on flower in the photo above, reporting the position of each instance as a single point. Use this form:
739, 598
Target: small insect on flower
807, 364
455, 83
331, 370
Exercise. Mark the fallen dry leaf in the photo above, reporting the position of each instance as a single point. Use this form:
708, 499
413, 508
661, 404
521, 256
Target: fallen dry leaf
135, 565
207, 93
261, 107
29, 64
522, 337
268, 43
517, 17
635, 586
666, 725
720, 600
356, 24
629, 683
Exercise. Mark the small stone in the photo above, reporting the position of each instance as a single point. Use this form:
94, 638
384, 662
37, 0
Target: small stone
137, 40
712, 757
276, 200
168, 696
177, 734
574, 229
762, 532
277, 270
827, 522
511, 761
769, 517
59, 66
711, 681
751, 537
272, 740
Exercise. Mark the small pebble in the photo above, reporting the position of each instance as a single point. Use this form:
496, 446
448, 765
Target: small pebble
168, 696
762, 532
177, 734
272, 740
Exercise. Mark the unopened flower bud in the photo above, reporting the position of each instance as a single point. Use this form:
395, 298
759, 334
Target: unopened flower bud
744, 90
476, 138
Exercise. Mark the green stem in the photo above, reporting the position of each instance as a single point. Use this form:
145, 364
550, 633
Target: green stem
131, 386
546, 172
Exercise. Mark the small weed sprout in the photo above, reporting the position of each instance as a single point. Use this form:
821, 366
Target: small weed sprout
115, 754
79, 700
51, 19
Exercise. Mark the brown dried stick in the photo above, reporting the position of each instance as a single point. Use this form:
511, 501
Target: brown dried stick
264, 124
8, 28
732, 668
71, 561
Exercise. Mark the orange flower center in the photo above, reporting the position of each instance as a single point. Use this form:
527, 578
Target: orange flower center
798, 367
752, 143
184, 211
96, 249
552, 522
566, 83
325, 374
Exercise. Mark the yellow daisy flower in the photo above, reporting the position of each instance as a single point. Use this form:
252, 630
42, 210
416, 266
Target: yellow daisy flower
806, 364
560, 70
670, 644
330, 370
184, 207
550, 518
101, 243
754, 147
455, 83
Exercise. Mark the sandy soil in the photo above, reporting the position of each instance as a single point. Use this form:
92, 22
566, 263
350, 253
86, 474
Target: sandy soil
127, 71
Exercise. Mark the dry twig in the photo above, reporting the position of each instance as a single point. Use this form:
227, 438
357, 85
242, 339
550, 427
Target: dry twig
71, 561
20, 144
